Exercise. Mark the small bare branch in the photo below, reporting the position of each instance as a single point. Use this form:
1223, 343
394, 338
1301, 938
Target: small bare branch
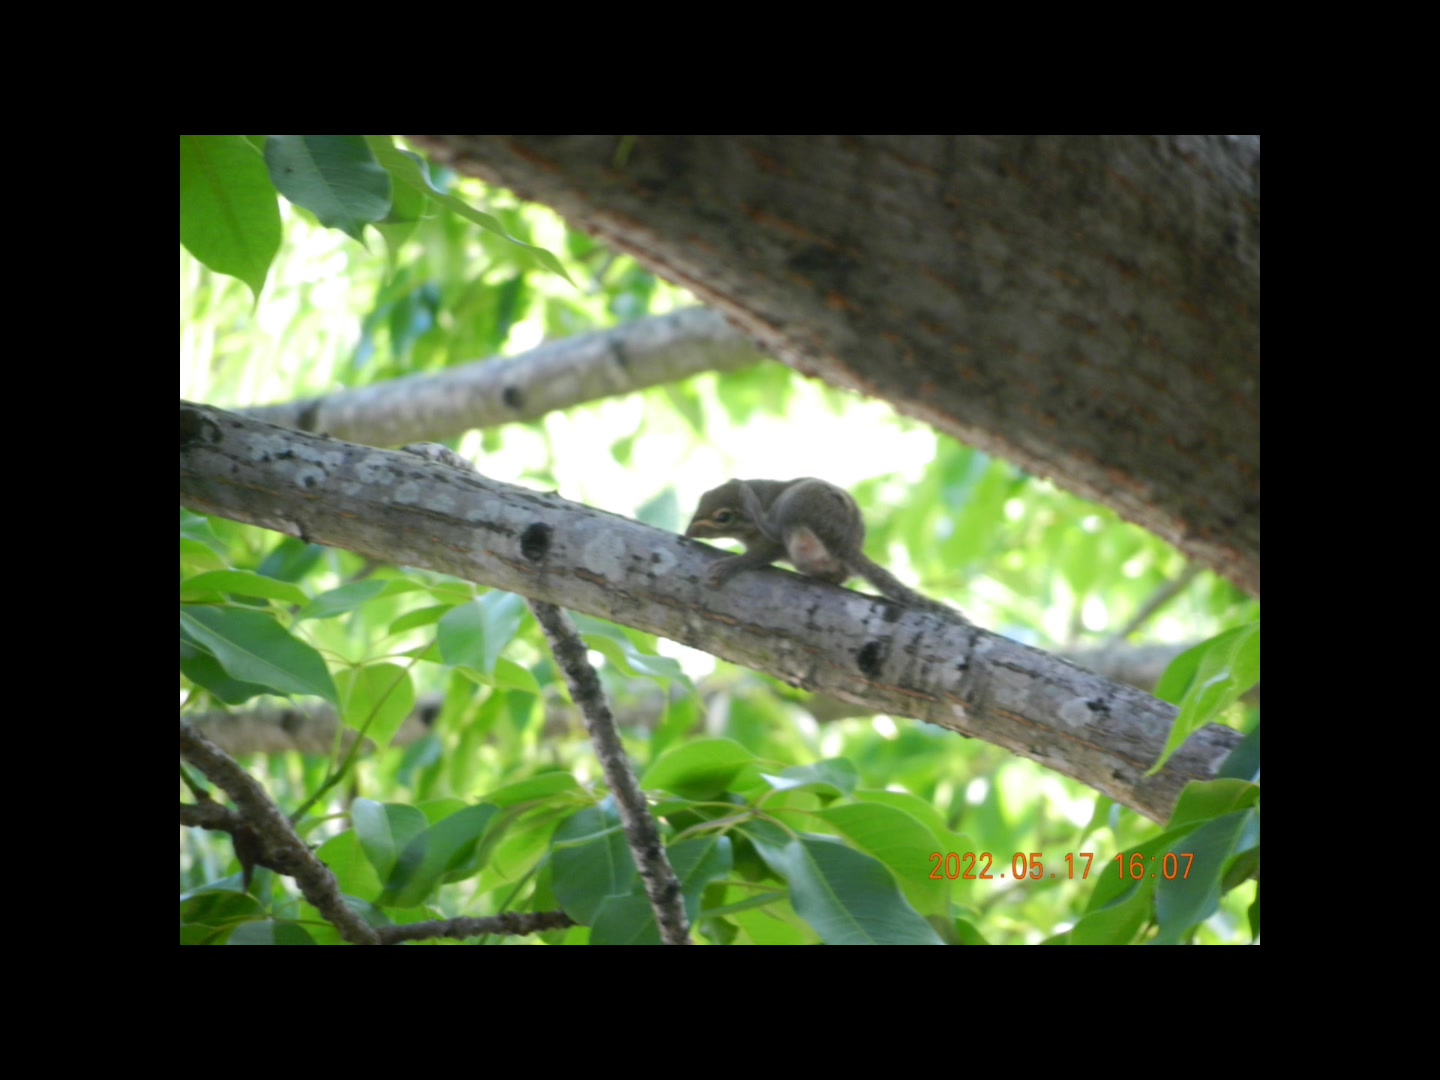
274, 843
641, 832
512, 924
1161, 596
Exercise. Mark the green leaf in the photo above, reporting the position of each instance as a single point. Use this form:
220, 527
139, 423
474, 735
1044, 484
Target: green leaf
703, 769
1202, 801
835, 776
437, 810
511, 676
202, 669
254, 648
335, 177
848, 897
912, 806
976, 503
376, 700
968, 934
197, 527
475, 726
898, 841
197, 556
1184, 900
474, 635
537, 789
1206, 680
1243, 763
765, 389
1236, 650
291, 559
407, 205
270, 932
216, 900
681, 716
775, 925
241, 583
436, 855
1118, 922
410, 170
1081, 561
347, 860
686, 402
426, 616
613, 643
590, 863
620, 450
632, 661
526, 841
384, 829
229, 217
1120, 905
630, 920
348, 598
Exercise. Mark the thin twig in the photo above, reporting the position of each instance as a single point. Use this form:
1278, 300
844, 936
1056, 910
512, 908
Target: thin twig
513, 923
1158, 599
641, 832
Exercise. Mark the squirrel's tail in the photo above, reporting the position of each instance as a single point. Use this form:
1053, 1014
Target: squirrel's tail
892, 588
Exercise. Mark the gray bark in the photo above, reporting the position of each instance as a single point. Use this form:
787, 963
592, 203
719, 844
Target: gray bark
401, 509
553, 376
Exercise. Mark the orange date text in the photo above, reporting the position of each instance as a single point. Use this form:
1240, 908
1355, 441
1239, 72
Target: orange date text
972, 866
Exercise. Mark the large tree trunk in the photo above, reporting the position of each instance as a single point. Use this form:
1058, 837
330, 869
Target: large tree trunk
1084, 306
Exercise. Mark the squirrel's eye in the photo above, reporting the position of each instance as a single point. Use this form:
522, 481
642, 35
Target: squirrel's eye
724, 517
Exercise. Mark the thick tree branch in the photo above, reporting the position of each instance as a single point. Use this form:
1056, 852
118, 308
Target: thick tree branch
401, 509
553, 376
1087, 307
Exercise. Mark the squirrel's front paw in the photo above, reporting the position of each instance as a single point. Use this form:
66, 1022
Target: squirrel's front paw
721, 572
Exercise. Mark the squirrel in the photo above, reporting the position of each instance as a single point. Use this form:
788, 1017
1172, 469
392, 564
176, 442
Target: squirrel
812, 523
